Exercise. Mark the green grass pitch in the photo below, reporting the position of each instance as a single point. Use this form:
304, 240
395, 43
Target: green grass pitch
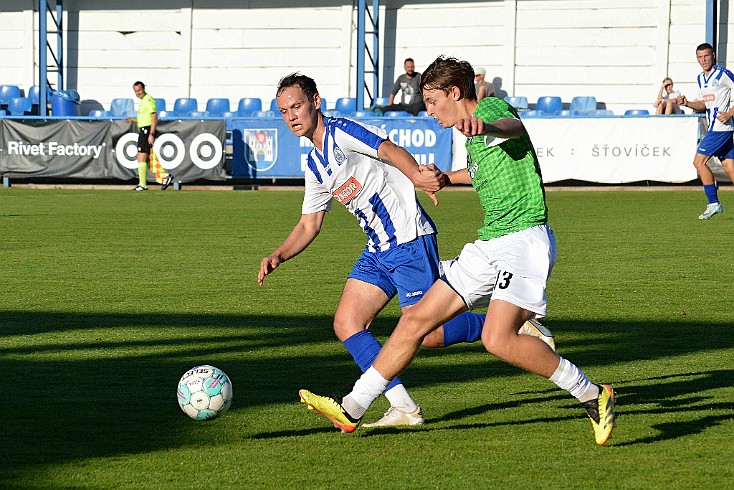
108, 297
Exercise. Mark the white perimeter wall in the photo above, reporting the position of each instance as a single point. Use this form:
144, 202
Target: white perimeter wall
617, 51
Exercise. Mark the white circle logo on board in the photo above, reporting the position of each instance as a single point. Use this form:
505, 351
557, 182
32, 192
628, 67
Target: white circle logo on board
126, 151
170, 150
206, 151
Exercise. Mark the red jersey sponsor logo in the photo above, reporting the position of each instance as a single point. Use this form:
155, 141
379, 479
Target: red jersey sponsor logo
709, 98
347, 191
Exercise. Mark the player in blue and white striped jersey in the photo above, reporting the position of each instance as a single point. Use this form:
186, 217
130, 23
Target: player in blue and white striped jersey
715, 86
357, 165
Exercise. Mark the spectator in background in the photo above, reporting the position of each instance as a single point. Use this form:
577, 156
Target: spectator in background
667, 101
411, 99
147, 121
482, 88
715, 86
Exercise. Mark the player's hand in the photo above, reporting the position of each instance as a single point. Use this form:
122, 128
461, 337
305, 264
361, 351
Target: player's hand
430, 179
151, 139
681, 100
267, 265
723, 117
442, 180
470, 126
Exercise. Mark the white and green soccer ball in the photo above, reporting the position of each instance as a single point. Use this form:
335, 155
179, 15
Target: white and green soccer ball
204, 392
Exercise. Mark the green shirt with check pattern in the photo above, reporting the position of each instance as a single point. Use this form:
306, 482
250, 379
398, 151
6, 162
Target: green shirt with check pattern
506, 176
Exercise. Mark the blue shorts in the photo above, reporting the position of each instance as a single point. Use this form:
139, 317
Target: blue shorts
408, 270
718, 144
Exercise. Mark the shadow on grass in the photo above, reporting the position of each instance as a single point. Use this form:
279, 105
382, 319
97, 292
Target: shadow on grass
70, 397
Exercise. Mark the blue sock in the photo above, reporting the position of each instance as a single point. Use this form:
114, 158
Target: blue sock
364, 347
711, 193
466, 327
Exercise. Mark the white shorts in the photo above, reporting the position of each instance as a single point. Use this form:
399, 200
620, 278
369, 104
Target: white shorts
514, 268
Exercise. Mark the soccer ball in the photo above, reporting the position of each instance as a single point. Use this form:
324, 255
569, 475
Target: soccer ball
204, 392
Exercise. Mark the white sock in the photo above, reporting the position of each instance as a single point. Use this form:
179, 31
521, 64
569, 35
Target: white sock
367, 388
568, 377
399, 398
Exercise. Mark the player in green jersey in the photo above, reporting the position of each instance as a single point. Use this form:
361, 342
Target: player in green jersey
506, 268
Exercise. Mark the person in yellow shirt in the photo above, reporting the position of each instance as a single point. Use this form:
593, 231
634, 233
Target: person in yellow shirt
147, 121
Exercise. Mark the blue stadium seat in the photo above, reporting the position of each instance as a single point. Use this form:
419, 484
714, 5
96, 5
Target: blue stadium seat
197, 114
637, 112
423, 114
397, 114
333, 113
122, 108
323, 104
367, 114
8, 92
97, 113
20, 106
530, 113
263, 114
380, 101
569, 113
346, 105
274, 105
160, 105
249, 105
3, 113
601, 113
185, 106
549, 104
33, 94
518, 102
217, 107
583, 104
166, 114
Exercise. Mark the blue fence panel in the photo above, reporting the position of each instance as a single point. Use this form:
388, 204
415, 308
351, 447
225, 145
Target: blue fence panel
266, 148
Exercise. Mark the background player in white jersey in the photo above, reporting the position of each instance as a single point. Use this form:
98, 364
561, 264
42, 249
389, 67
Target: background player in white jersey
358, 166
715, 86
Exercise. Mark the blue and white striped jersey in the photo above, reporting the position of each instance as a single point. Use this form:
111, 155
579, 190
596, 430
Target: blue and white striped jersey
381, 197
715, 91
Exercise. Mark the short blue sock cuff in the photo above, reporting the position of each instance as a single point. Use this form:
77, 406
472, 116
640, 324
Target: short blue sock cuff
711, 194
364, 347
466, 327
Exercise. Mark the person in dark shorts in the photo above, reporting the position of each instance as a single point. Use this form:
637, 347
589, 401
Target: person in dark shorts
147, 121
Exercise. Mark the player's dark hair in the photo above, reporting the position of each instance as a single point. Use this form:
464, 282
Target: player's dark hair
703, 46
408, 59
142, 85
446, 72
307, 84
